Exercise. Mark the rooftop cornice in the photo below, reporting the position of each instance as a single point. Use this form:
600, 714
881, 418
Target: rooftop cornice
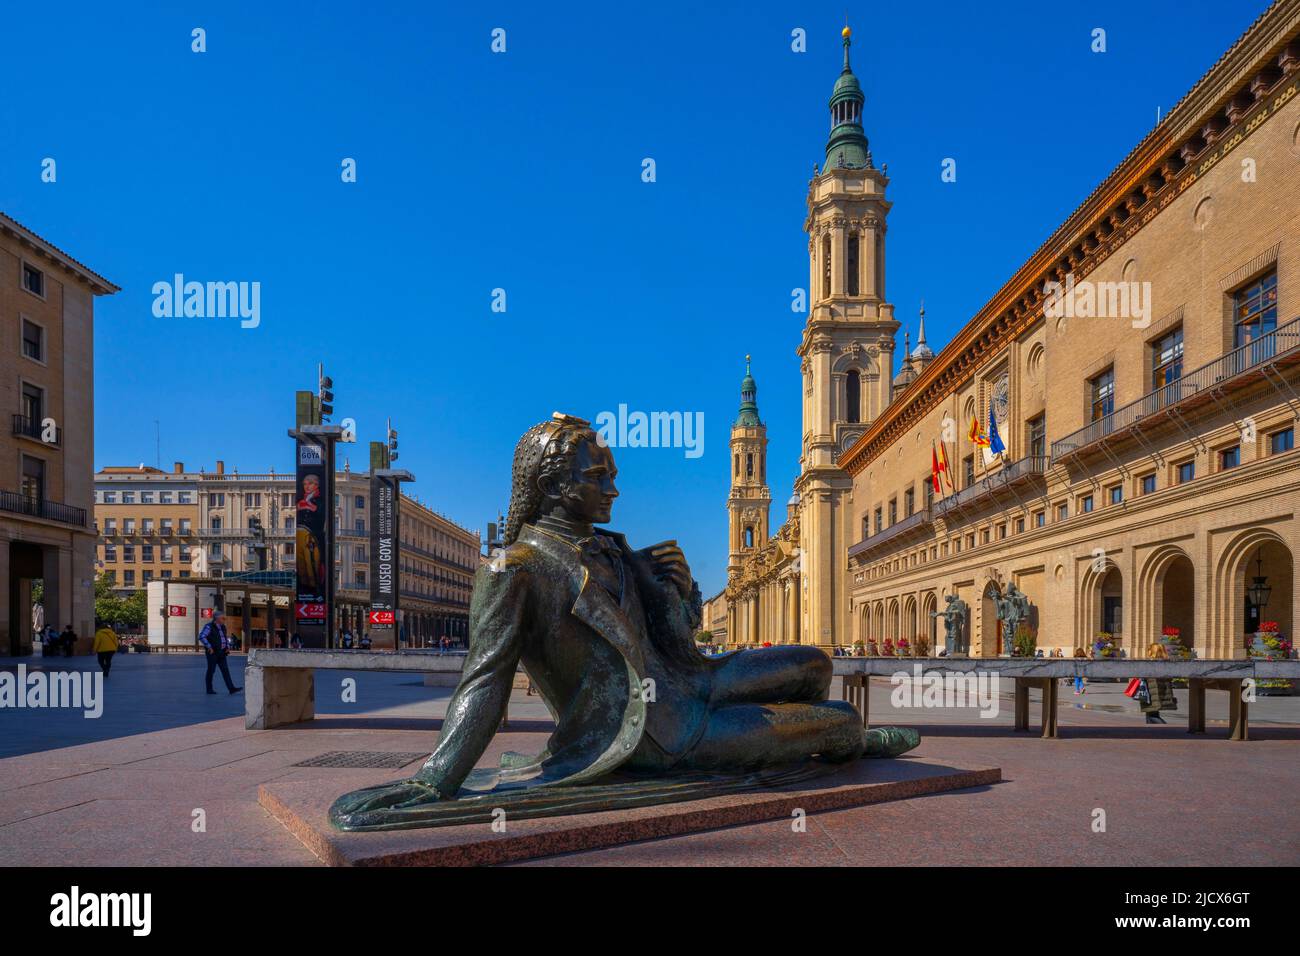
96, 283
1163, 165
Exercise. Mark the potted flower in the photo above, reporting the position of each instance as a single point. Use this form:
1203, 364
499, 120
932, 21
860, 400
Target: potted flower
904, 647
889, 647
873, 650
1103, 647
1171, 640
922, 645
1268, 643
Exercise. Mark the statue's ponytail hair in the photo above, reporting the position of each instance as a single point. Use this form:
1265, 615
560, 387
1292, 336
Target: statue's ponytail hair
546, 448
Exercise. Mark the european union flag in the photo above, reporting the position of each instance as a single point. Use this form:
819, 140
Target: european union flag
995, 440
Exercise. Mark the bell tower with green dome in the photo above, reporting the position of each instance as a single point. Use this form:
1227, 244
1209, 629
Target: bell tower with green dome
846, 352
750, 499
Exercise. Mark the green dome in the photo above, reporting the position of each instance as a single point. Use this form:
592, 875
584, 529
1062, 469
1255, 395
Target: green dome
847, 147
748, 399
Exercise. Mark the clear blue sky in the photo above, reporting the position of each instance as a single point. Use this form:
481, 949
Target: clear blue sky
523, 171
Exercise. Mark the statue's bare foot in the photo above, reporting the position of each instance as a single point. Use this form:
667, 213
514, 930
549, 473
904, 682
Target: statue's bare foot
890, 741
368, 806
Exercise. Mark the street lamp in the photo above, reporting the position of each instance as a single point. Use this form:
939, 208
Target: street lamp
1259, 590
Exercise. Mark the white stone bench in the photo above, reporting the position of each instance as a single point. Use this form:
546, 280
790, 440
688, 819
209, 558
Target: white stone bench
1046, 673
280, 684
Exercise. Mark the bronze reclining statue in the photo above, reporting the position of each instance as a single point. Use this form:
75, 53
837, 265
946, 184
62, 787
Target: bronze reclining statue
606, 633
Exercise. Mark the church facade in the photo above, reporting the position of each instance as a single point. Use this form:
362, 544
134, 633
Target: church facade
1116, 425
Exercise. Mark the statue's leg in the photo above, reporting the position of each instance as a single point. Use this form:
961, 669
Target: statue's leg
773, 675
743, 737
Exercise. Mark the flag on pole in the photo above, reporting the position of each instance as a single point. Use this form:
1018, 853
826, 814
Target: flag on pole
977, 436
944, 468
994, 439
934, 470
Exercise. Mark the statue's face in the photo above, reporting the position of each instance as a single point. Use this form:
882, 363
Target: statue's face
589, 493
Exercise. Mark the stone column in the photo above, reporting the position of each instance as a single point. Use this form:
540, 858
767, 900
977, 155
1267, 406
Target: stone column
867, 258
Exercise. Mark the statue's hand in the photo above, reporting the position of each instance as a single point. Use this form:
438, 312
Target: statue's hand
670, 565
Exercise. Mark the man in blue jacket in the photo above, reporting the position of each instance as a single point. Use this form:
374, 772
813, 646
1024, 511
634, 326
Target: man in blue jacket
216, 646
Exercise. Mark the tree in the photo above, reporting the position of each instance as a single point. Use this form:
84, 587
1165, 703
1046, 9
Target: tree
113, 610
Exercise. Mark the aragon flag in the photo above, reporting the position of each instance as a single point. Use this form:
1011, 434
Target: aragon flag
977, 435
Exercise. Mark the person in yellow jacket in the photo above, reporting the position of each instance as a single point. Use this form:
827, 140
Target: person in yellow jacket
105, 646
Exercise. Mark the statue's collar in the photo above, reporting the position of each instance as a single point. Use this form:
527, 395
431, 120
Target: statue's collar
542, 536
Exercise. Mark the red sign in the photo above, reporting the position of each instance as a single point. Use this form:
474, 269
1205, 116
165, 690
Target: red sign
206, 612
383, 618
176, 610
310, 611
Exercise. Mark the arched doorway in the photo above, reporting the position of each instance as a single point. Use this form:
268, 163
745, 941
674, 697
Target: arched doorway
1256, 553
910, 630
990, 626
1165, 597
930, 624
893, 621
1111, 594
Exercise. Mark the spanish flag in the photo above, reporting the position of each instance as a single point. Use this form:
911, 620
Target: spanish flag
944, 468
978, 436
934, 470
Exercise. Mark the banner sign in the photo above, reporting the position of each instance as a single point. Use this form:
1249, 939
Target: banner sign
383, 551
176, 610
314, 558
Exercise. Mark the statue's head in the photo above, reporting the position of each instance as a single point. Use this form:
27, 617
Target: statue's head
562, 468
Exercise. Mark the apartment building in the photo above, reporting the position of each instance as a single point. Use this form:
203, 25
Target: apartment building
47, 541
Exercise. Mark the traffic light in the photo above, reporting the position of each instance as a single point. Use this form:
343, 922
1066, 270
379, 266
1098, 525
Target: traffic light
325, 394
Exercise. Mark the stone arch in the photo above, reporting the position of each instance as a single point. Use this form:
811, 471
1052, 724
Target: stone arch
1235, 565
892, 622
1165, 595
930, 625
909, 625
985, 640
1101, 579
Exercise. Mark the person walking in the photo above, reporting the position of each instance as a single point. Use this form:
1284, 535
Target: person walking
105, 647
1163, 698
69, 640
1080, 683
216, 646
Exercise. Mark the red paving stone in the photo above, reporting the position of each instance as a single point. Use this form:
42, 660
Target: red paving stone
1169, 798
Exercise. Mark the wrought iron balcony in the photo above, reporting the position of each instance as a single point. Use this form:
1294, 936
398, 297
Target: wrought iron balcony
1242, 363
33, 428
916, 520
1008, 475
42, 508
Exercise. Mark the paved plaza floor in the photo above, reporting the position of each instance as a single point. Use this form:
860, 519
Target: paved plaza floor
127, 788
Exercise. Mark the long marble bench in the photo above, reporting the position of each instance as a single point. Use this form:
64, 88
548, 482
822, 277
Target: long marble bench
279, 684
1046, 673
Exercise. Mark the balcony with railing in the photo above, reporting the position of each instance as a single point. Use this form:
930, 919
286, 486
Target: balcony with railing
34, 428
1242, 364
915, 521
1005, 478
17, 503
